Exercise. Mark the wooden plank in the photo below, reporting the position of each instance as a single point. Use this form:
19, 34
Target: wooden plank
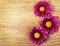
16, 19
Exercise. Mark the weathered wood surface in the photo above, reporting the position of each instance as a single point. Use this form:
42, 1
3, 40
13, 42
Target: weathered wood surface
16, 19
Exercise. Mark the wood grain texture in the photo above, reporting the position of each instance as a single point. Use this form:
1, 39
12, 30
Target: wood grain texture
16, 19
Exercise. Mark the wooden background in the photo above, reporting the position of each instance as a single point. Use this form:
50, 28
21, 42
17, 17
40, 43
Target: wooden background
16, 19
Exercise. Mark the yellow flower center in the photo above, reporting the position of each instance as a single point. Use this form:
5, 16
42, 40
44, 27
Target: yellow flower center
36, 35
48, 24
41, 9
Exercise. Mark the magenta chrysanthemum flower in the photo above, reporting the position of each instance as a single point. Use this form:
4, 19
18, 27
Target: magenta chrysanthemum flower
42, 8
37, 35
50, 24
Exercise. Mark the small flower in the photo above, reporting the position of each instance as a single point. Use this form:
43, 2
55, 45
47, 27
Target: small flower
50, 24
42, 8
37, 35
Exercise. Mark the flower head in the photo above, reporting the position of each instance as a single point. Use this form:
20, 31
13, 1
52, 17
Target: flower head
37, 35
42, 8
50, 24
